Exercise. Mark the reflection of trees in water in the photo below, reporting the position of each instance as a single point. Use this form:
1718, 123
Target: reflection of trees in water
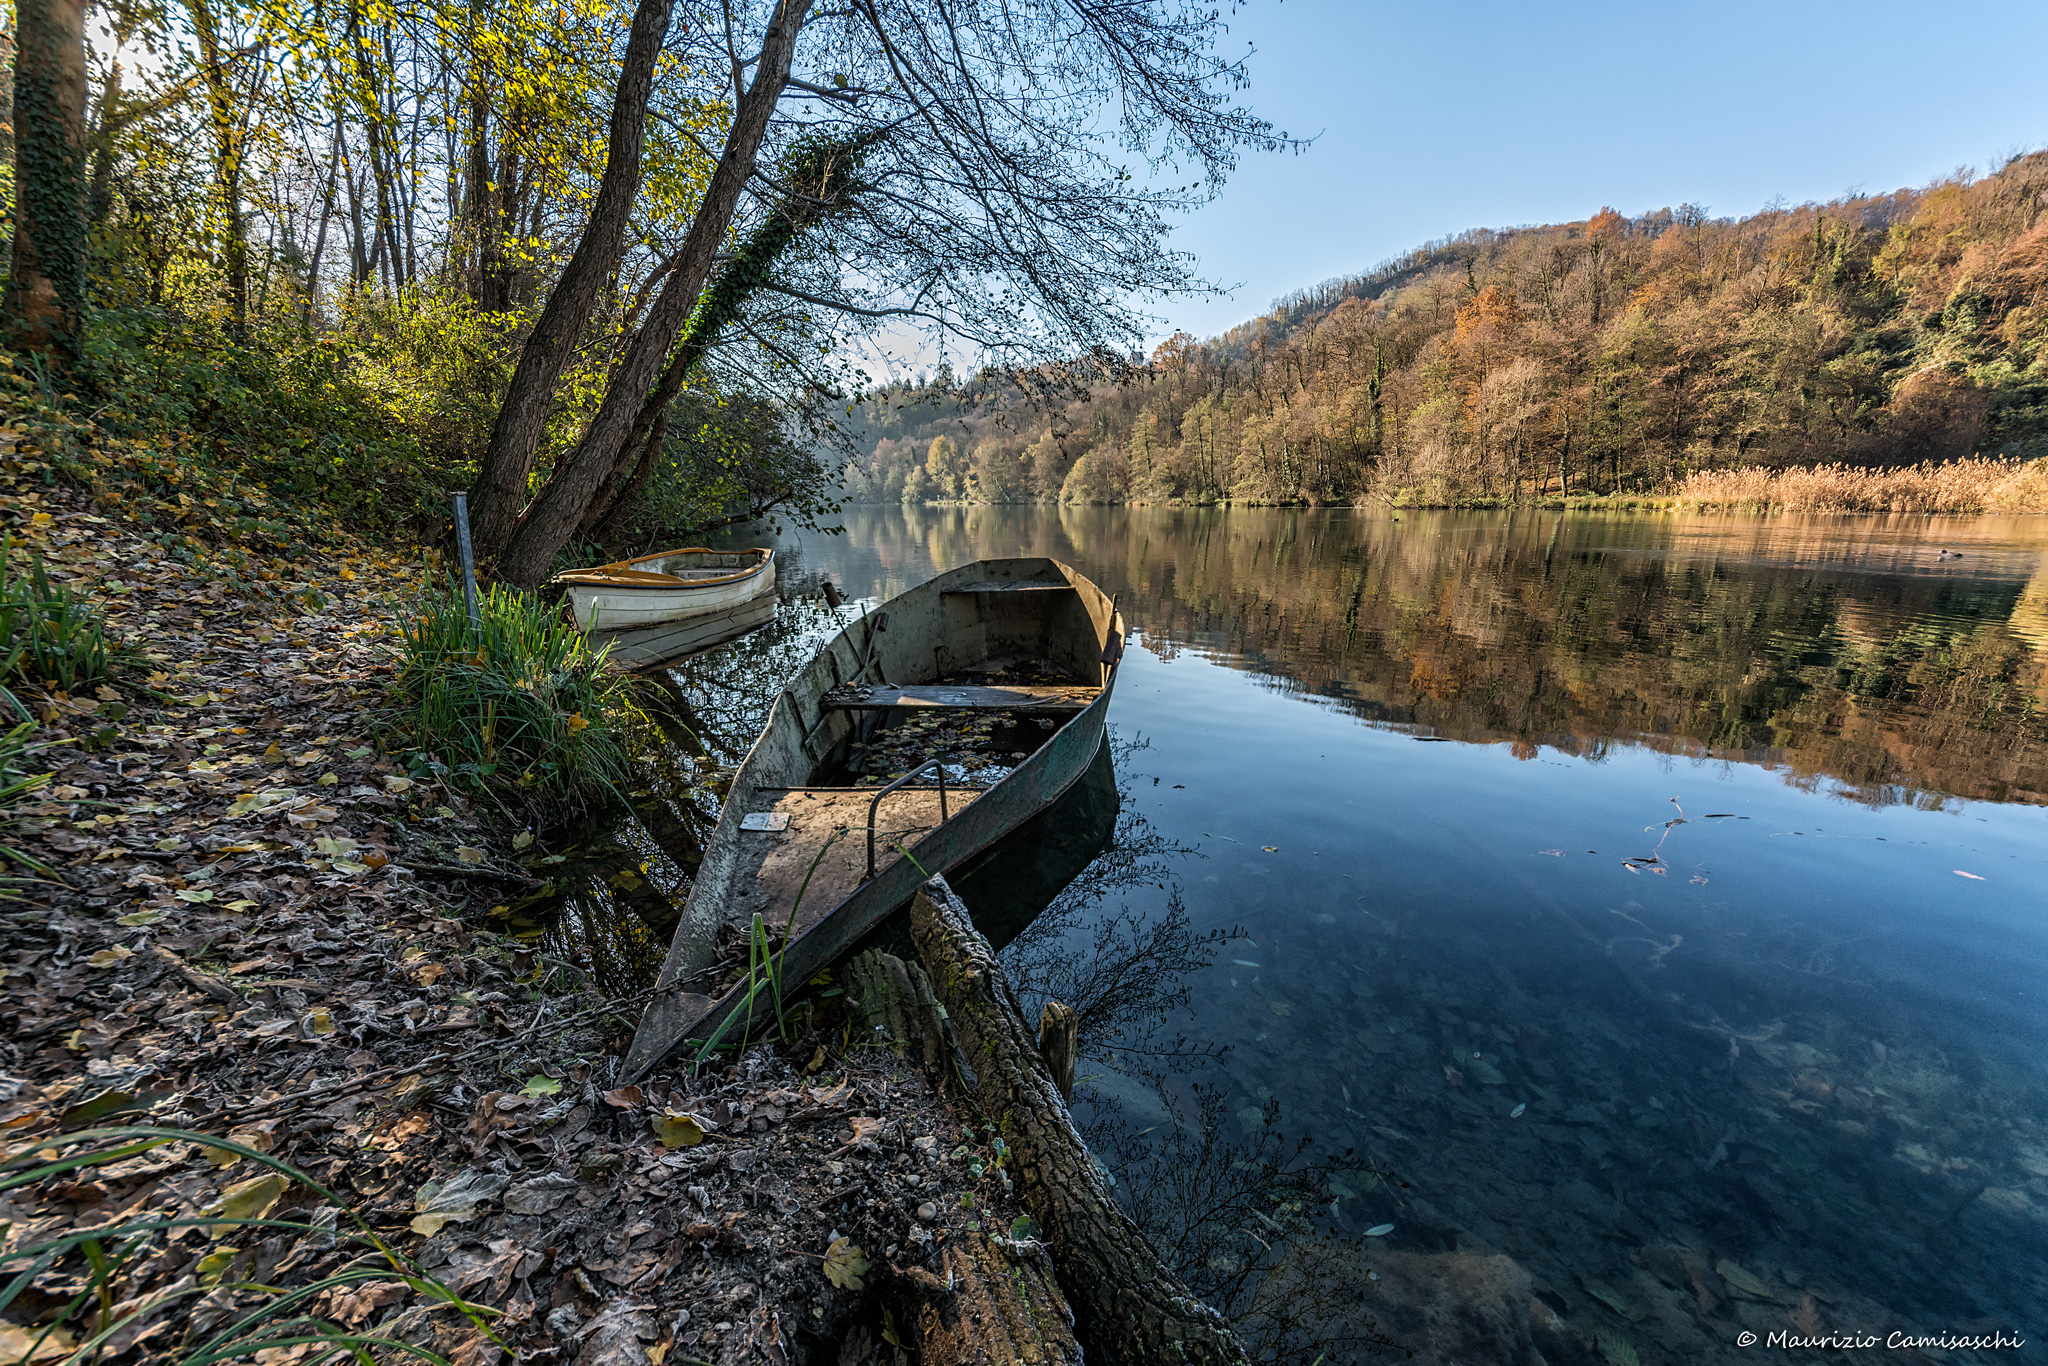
1243, 1216
1916, 681
1239, 1212
616, 881
1761, 640
1131, 979
726, 693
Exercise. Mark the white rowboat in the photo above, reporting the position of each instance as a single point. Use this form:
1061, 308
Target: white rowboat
671, 585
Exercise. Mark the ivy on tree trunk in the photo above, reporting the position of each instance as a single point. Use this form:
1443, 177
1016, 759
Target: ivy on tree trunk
46, 295
526, 555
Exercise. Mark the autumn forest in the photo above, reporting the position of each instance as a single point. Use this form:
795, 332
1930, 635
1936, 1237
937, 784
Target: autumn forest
1615, 355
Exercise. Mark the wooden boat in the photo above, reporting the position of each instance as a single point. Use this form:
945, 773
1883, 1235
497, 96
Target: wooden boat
672, 585
1011, 660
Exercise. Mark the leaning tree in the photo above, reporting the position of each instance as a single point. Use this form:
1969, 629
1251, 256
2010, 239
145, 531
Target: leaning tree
998, 172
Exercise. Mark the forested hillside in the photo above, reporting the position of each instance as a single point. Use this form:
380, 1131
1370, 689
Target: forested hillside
1611, 355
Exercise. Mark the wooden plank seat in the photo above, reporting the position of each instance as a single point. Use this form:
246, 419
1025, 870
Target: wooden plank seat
961, 697
779, 856
1008, 586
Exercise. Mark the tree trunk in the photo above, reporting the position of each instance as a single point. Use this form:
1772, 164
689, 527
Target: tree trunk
612, 507
486, 218
993, 1301
555, 515
1564, 456
45, 304
102, 194
227, 165
1132, 1308
501, 479
1059, 1040
736, 282
320, 236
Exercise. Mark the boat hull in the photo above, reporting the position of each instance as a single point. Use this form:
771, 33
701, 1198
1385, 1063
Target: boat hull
952, 619
602, 600
650, 646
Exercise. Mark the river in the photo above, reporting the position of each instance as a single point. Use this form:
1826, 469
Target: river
1656, 902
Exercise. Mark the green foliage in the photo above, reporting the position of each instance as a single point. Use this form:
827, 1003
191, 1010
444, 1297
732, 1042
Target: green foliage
517, 705
48, 634
228, 1312
728, 461
435, 363
290, 439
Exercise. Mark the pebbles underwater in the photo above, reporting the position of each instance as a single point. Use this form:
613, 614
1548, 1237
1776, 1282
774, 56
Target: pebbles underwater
1767, 1061
1687, 1111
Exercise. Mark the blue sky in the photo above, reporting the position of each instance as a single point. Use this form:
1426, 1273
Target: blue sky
1436, 118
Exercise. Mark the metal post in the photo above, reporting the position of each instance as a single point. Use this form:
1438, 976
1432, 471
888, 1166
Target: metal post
468, 559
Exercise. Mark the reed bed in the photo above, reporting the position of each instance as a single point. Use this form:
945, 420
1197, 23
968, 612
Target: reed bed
1957, 486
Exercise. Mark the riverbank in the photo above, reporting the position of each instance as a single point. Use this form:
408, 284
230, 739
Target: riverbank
255, 925
1950, 488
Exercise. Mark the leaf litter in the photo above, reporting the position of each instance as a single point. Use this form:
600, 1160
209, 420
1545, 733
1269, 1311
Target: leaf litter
259, 924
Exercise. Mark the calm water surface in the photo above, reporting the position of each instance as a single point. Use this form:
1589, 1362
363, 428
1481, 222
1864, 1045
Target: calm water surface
1662, 900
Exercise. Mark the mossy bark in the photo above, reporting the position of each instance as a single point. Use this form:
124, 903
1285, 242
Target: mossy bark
1132, 1308
993, 1302
46, 296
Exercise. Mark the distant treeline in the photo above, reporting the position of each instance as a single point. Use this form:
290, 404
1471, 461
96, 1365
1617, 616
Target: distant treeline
1614, 355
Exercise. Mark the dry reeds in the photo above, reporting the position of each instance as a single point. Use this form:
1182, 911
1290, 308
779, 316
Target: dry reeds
1956, 486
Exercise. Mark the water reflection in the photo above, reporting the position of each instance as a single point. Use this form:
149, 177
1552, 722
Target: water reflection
614, 885
1692, 981
1832, 648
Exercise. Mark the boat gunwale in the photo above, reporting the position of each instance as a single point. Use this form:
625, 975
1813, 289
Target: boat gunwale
579, 577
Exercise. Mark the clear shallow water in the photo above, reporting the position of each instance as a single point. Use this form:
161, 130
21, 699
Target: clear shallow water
1727, 868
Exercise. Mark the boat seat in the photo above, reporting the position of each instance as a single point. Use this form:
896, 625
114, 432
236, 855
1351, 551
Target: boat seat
1009, 586
961, 697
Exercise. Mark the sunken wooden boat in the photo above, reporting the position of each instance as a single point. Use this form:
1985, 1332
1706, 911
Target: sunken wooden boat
935, 724
667, 587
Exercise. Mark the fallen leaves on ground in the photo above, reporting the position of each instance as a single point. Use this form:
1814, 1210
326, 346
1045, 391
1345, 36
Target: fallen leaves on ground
845, 1264
265, 929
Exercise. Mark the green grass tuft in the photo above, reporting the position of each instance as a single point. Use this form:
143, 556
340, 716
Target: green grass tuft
239, 1304
518, 705
48, 634
18, 784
